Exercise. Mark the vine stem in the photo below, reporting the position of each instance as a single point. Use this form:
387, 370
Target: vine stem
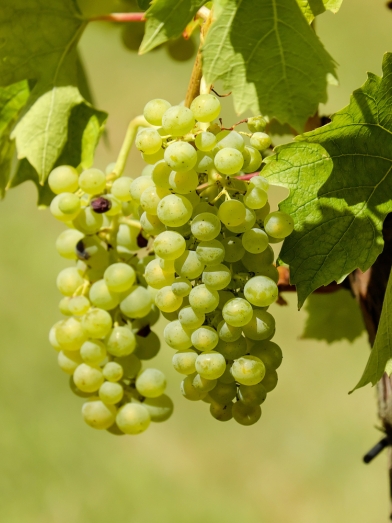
119, 17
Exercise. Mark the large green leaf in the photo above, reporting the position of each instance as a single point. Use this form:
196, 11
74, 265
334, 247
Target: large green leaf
380, 359
26, 172
312, 8
268, 56
167, 19
340, 181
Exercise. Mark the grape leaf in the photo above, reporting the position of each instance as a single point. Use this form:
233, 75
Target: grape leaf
340, 181
312, 8
144, 4
269, 57
167, 19
26, 172
381, 354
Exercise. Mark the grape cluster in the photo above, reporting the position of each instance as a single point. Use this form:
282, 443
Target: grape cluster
108, 310
213, 275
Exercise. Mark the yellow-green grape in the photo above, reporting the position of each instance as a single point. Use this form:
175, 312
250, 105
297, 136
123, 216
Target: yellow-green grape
261, 291
254, 262
148, 141
176, 336
121, 189
230, 139
57, 213
188, 390
154, 110
78, 305
88, 221
69, 204
127, 239
69, 361
232, 212
260, 141
253, 394
180, 156
93, 352
102, 297
169, 245
221, 412
233, 249
203, 299
138, 186
233, 349
224, 392
166, 265
246, 225
88, 378
131, 365
53, 338
181, 287
120, 342
205, 226
211, 252
184, 361
245, 414
178, 120
64, 306
203, 384
66, 243
262, 213
133, 418
188, 265
229, 161
63, 179
261, 326
248, 370
191, 318
152, 159
97, 323
161, 174
174, 210
205, 107
252, 161
113, 371
270, 380
151, 383
151, 224
237, 312
111, 393
216, 277
167, 301
151, 197
137, 303
210, 365
227, 376
184, 182
256, 124
255, 198
98, 415
278, 224
205, 141
119, 277
259, 181
205, 338
227, 332
270, 354
156, 277
255, 240
92, 181
160, 409
70, 334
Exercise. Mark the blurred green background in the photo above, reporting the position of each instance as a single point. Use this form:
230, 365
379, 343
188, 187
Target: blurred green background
300, 463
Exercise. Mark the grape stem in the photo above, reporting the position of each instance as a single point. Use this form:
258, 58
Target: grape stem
243, 177
119, 17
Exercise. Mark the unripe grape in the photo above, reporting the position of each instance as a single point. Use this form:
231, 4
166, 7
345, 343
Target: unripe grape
133, 418
110, 393
120, 342
154, 110
260, 141
177, 336
92, 181
151, 383
178, 120
148, 141
245, 414
278, 224
248, 370
88, 378
98, 415
112, 371
63, 179
205, 107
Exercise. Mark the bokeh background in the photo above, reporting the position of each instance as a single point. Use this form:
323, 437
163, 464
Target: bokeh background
300, 463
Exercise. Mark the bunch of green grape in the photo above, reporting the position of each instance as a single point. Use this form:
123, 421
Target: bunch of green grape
108, 310
213, 275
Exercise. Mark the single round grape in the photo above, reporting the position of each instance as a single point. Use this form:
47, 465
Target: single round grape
161, 174
69, 203
160, 409
93, 352
119, 277
221, 412
112, 371
121, 189
189, 391
205, 338
233, 349
70, 334
261, 326
245, 414
169, 245
64, 306
224, 392
138, 186
260, 141
137, 303
174, 210
203, 299
232, 212
88, 221
216, 277
270, 380
69, 280
154, 110
102, 297
248, 370
237, 312
252, 161
252, 394
69, 361
191, 318
228, 161
256, 124
98, 415
133, 418
255, 198
184, 182
230, 139
88, 378
227, 332
203, 384
227, 376
151, 197
111, 393
148, 141
255, 262
156, 277
211, 252
151, 383
66, 243
92, 181
205, 226
63, 179
181, 287
205, 107
188, 265
270, 354
184, 361
180, 156
234, 249
178, 120
246, 225
278, 224
205, 141
96, 323
210, 365
151, 224
167, 301
261, 291
57, 213
120, 342
78, 305
176, 336
255, 241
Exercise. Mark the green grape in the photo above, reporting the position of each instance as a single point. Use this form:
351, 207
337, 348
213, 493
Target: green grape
248, 370
261, 291
188, 265
133, 418
246, 225
278, 224
256, 124
78, 305
255, 241
255, 198
88, 378
205, 226
230, 139
137, 303
210, 365
205, 107
228, 161
53, 338
204, 207
203, 384
138, 186
214, 128
57, 213
155, 109
174, 210
227, 332
252, 394
131, 365
270, 380
111, 393
98, 415
148, 141
151, 383
189, 391
177, 121
205, 338
232, 212
181, 287
93, 352
102, 297
191, 318
234, 349
184, 361
121, 189
203, 299
160, 409
227, 376
147, 347
119, 277
221, 412
152, 159
66, 243
245, 414
69, 203
204, 163
92, 250
237, 312
233, 249
260, 182
211, 252
96, 323
156, 277
112, 371
70, 334
160, 174
176, 336
151, 224
151, 198
69, 361
205, 141
262, 213
261, 326
260, 141
120, 342
88, 221
92, 181
167, 301
180, 156
270, 354
252, 161
184, 182
224, 392
127, 239
270, 271
216, 277
63, 179
64, 306
255, 262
